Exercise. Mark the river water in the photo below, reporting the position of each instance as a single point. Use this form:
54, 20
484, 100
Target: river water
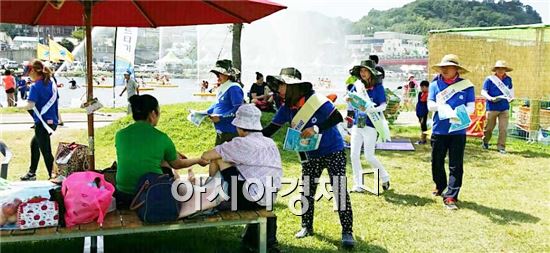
72, 98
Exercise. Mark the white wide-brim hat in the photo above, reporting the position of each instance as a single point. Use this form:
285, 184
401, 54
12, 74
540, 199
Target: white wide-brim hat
227, 72
248, 117
225, 67
288, 75
450, 60
501, 64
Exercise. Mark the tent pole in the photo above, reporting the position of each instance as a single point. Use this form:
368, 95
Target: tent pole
114, 68
89, 79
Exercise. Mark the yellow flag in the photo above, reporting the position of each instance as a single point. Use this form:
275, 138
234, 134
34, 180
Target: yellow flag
58, 52
42, 52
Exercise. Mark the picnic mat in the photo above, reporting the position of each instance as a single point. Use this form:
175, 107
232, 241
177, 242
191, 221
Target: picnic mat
396, 144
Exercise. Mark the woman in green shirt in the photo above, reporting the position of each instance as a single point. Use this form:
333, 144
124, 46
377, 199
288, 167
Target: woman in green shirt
141, 149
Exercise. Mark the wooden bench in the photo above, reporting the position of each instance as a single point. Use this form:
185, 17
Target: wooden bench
127, 222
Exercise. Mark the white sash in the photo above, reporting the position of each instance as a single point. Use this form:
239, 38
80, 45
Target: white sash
443, 96
305, 113
501, 86
46, 108
378, 121
299, 121
225, 87
444, 110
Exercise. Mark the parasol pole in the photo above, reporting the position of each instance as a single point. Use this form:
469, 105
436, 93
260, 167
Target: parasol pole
89, 79
114, 68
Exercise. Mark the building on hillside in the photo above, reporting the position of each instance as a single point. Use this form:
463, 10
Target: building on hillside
386, 45
24, 42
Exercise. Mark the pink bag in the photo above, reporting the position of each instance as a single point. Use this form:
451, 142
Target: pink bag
87, 196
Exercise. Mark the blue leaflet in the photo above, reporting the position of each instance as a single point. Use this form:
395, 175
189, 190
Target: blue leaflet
357, 101
293, 141
463, 120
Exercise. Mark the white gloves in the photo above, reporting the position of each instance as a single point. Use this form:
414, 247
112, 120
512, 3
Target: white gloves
432, 106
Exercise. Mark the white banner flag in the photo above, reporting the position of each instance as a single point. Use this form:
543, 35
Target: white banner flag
125, 52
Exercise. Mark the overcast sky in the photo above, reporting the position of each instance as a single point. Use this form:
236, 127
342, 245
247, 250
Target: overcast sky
355, 9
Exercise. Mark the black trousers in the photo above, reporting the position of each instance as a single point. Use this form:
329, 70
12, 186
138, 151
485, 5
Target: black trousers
40, 143
454, 144
311, 171
423, 122
250, 237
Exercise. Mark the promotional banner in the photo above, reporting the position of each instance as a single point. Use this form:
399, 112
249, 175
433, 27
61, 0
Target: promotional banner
125, 52
42, 52
478, 119
58, 52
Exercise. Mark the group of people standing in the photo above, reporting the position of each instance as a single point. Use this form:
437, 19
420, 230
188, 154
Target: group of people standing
449, 90
14, 85
244, 148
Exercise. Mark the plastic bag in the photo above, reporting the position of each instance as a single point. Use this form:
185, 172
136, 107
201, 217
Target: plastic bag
87, 196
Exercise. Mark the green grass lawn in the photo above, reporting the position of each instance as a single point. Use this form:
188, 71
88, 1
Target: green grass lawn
504, 200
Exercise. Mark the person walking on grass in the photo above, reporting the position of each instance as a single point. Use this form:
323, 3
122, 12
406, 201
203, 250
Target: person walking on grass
43, 105
499, 92
22, 87
422, 111
447, 92
363, 132
8, 81
131, 87
409, 94
311, 113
